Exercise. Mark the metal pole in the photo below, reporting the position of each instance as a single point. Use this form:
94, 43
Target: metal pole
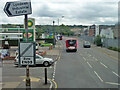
26, 28
27, 67
45, 75
28, 84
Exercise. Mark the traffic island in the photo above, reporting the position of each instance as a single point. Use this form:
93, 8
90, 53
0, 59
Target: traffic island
36, 83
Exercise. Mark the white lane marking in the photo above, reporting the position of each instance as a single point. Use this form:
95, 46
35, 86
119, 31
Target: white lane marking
89, 64
54, 71
103, 65
80, 54
115, 74
50, 84
98, 76
112, 83
96, 59
84, 58
89, 55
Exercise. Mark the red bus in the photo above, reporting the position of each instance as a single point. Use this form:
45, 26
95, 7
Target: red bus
71, 45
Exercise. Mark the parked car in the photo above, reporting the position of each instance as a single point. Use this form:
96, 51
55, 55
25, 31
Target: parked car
86, 44
46, 44
39, 60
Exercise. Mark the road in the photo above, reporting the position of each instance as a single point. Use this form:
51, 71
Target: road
86, 68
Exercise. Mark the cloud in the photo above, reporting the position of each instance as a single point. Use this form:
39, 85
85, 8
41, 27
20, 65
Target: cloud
75, 12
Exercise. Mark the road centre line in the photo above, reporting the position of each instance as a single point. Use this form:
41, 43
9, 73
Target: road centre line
84, 58
89, 64
98, 76
103, 65
112, 83
115, 73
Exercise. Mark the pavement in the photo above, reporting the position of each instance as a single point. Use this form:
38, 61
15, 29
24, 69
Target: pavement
37, 81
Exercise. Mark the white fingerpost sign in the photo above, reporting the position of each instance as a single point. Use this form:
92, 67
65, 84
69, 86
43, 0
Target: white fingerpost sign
18, 8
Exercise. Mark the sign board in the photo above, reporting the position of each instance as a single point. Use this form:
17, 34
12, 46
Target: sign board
30, 35
18, 8
27, 53
31, 29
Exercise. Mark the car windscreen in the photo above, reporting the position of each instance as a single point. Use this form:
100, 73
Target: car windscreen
71, 42
87, 43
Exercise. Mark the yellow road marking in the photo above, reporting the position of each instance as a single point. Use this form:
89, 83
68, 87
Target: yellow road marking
52, 81
33, 79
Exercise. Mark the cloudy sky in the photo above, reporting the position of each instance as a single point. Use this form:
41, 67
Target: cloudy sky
78, 12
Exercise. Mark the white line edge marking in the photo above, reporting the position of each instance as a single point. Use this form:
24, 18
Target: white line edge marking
112, 83
89, 64
115, 74
50, 85
103, 65
98, 76
54, 71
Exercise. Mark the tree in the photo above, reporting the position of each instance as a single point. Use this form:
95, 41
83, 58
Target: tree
97, 40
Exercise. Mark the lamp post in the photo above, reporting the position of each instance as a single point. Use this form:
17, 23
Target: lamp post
59, 21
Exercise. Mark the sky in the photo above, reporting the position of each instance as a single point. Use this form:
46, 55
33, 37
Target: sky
68, 12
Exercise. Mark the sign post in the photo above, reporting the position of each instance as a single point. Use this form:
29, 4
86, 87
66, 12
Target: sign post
18, 8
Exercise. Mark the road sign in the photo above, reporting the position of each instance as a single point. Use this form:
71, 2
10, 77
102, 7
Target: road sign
27, 53
18, 8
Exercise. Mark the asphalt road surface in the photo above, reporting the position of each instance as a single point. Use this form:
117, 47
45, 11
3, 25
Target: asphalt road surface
86, 68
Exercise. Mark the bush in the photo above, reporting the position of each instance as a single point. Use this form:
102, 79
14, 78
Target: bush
114, 48
110, 48
97, 41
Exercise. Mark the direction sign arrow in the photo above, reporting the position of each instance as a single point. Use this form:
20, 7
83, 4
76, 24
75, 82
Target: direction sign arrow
18, 8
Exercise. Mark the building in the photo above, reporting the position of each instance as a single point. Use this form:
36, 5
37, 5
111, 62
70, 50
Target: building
116, 33
107, 33
91, 30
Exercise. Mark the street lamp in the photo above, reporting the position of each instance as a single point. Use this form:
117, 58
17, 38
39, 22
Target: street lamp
59, 21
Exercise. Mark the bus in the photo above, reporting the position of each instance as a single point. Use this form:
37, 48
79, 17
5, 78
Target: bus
71, 45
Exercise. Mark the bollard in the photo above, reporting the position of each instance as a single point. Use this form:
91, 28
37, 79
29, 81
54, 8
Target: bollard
45, 75
27, 78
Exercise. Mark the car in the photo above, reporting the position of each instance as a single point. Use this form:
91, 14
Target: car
86, 44
46, 44
39, 60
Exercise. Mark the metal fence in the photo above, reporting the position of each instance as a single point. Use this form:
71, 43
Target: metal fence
107, 42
